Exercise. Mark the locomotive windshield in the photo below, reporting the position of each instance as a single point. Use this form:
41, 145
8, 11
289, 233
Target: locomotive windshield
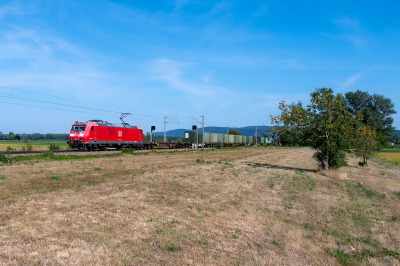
78, 128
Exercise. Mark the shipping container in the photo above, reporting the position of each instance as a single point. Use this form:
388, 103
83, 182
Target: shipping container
240, 139
207, 137
213, 137
190, 136
226, 138
236, 139
220, 138
231, 138
249, 139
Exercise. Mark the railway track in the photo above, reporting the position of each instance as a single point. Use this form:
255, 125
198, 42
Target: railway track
24, 153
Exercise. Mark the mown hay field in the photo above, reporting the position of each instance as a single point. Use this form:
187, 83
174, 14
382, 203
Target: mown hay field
247, 206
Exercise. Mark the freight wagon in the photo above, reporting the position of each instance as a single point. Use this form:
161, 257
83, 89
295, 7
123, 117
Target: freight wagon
211, 139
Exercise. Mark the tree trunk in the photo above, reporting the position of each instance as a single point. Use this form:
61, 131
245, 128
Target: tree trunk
327, 160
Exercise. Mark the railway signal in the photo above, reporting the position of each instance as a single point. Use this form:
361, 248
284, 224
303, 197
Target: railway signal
153, 128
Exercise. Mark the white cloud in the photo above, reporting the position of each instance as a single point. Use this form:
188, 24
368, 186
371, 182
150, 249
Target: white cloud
350, 81
12, 9
346, 23
350, 29
171, 72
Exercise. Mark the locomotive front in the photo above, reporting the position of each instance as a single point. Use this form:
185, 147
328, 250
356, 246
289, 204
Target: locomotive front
77, 135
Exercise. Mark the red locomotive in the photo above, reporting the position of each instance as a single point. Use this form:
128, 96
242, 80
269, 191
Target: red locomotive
98, 135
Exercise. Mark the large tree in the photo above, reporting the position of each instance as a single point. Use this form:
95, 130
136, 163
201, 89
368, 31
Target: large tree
376, 111
326, 124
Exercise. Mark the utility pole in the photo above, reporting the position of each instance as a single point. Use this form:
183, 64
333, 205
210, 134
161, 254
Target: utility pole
227, 130
256, 135
165, 127
202, 143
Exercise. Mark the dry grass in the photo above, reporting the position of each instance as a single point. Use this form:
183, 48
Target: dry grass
333, 174
250, 206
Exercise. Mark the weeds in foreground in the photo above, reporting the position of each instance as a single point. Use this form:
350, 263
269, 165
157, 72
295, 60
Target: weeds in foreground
54, 147
204, 241
3, 158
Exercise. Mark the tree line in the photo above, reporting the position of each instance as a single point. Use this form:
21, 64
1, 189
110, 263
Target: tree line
334, 125
33, 136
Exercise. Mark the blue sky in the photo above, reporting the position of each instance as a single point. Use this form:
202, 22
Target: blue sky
231, 61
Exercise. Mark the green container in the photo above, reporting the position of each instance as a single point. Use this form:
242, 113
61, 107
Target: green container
220, 138
226, 138
231, 138
240, 139
213, 137
249, 139
190, 136
262, 140
207, 137
236, 139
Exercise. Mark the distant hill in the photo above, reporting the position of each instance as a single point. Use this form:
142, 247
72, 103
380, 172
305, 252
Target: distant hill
246, 131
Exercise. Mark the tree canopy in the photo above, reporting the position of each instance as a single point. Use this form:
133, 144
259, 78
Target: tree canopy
326, 123
234, 132
376, 111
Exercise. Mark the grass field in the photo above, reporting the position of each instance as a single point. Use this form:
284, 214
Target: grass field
38, 145
248, 206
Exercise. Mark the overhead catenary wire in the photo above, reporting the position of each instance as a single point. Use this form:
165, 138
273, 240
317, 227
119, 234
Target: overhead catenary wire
180, 119
69, 105
68, 99
55, 108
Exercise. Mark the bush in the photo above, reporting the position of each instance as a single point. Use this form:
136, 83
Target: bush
29, 147
337, 158
128, 151
217, 145
10, 149
3, 158
53, 147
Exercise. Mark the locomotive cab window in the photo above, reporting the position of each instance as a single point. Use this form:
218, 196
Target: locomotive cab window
92, 129
141, 131
78, 128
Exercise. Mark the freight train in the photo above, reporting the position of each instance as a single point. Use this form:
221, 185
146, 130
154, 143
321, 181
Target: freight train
100, 135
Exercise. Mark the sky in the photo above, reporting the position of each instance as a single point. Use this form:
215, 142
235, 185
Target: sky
231, 61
